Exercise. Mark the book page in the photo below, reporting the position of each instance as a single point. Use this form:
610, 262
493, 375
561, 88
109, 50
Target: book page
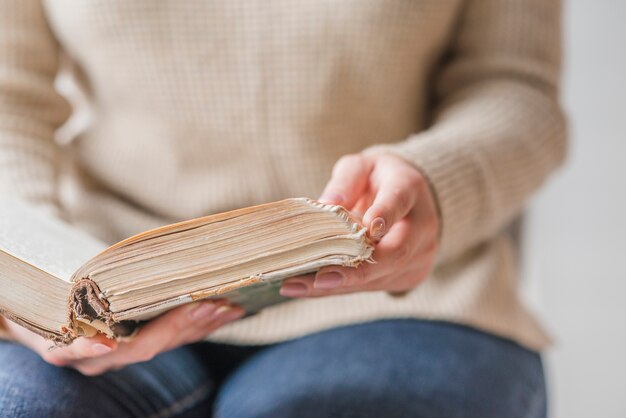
43, 241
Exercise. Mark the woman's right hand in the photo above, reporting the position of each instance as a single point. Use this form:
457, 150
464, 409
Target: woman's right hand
96, 355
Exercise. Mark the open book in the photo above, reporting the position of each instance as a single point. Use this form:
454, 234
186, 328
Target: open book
62, 283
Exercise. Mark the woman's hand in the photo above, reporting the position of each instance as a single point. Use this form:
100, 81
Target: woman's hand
96, 355
399, 210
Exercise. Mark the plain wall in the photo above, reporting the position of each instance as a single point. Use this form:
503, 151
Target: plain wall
575, 265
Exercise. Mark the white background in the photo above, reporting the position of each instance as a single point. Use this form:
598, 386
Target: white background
575, 265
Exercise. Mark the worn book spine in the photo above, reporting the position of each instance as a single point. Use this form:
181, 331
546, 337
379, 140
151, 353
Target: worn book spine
89, 313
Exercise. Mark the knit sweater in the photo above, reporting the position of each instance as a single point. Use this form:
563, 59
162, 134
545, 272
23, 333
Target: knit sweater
200, 106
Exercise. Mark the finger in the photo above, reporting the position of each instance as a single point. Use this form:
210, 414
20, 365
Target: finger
396, 196
302, 286
151, 339
392, 282
79, 349
297, 286
222, 315
398, 248
221, 318
409, 279
348, 181
171, 330
168, 329
306, 283
334, 283
396, 251
392, 253
147, 345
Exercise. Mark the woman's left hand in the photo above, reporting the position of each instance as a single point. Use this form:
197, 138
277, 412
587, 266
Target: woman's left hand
399, 210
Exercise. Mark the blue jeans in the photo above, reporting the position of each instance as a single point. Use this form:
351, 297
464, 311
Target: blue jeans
388, 368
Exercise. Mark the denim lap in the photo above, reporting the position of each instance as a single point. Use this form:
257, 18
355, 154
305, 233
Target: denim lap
389, 368
172, 384
394, 368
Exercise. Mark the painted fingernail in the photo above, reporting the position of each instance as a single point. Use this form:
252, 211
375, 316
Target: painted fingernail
231, 314
377, 228
100, 349
329, 280
222, 310
332, 198
202, 311
294, 290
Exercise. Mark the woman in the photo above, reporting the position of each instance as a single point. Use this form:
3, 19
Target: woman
439, 119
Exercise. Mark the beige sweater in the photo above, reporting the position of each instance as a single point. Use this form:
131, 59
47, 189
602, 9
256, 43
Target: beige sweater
203, 106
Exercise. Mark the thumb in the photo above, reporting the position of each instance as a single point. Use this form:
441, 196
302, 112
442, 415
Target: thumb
349, 180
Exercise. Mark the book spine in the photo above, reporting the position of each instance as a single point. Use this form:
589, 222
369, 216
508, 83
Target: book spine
88, 314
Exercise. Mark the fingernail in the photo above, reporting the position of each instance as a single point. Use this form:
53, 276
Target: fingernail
377, 228
100, 349
203, 310
232, 314
332, 198
221, 310
329, 280
294, 290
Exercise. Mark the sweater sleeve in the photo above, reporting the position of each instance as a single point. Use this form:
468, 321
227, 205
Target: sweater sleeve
498, 129
30, 108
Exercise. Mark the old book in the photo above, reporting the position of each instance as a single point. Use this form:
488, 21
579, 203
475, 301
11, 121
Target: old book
62, 283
